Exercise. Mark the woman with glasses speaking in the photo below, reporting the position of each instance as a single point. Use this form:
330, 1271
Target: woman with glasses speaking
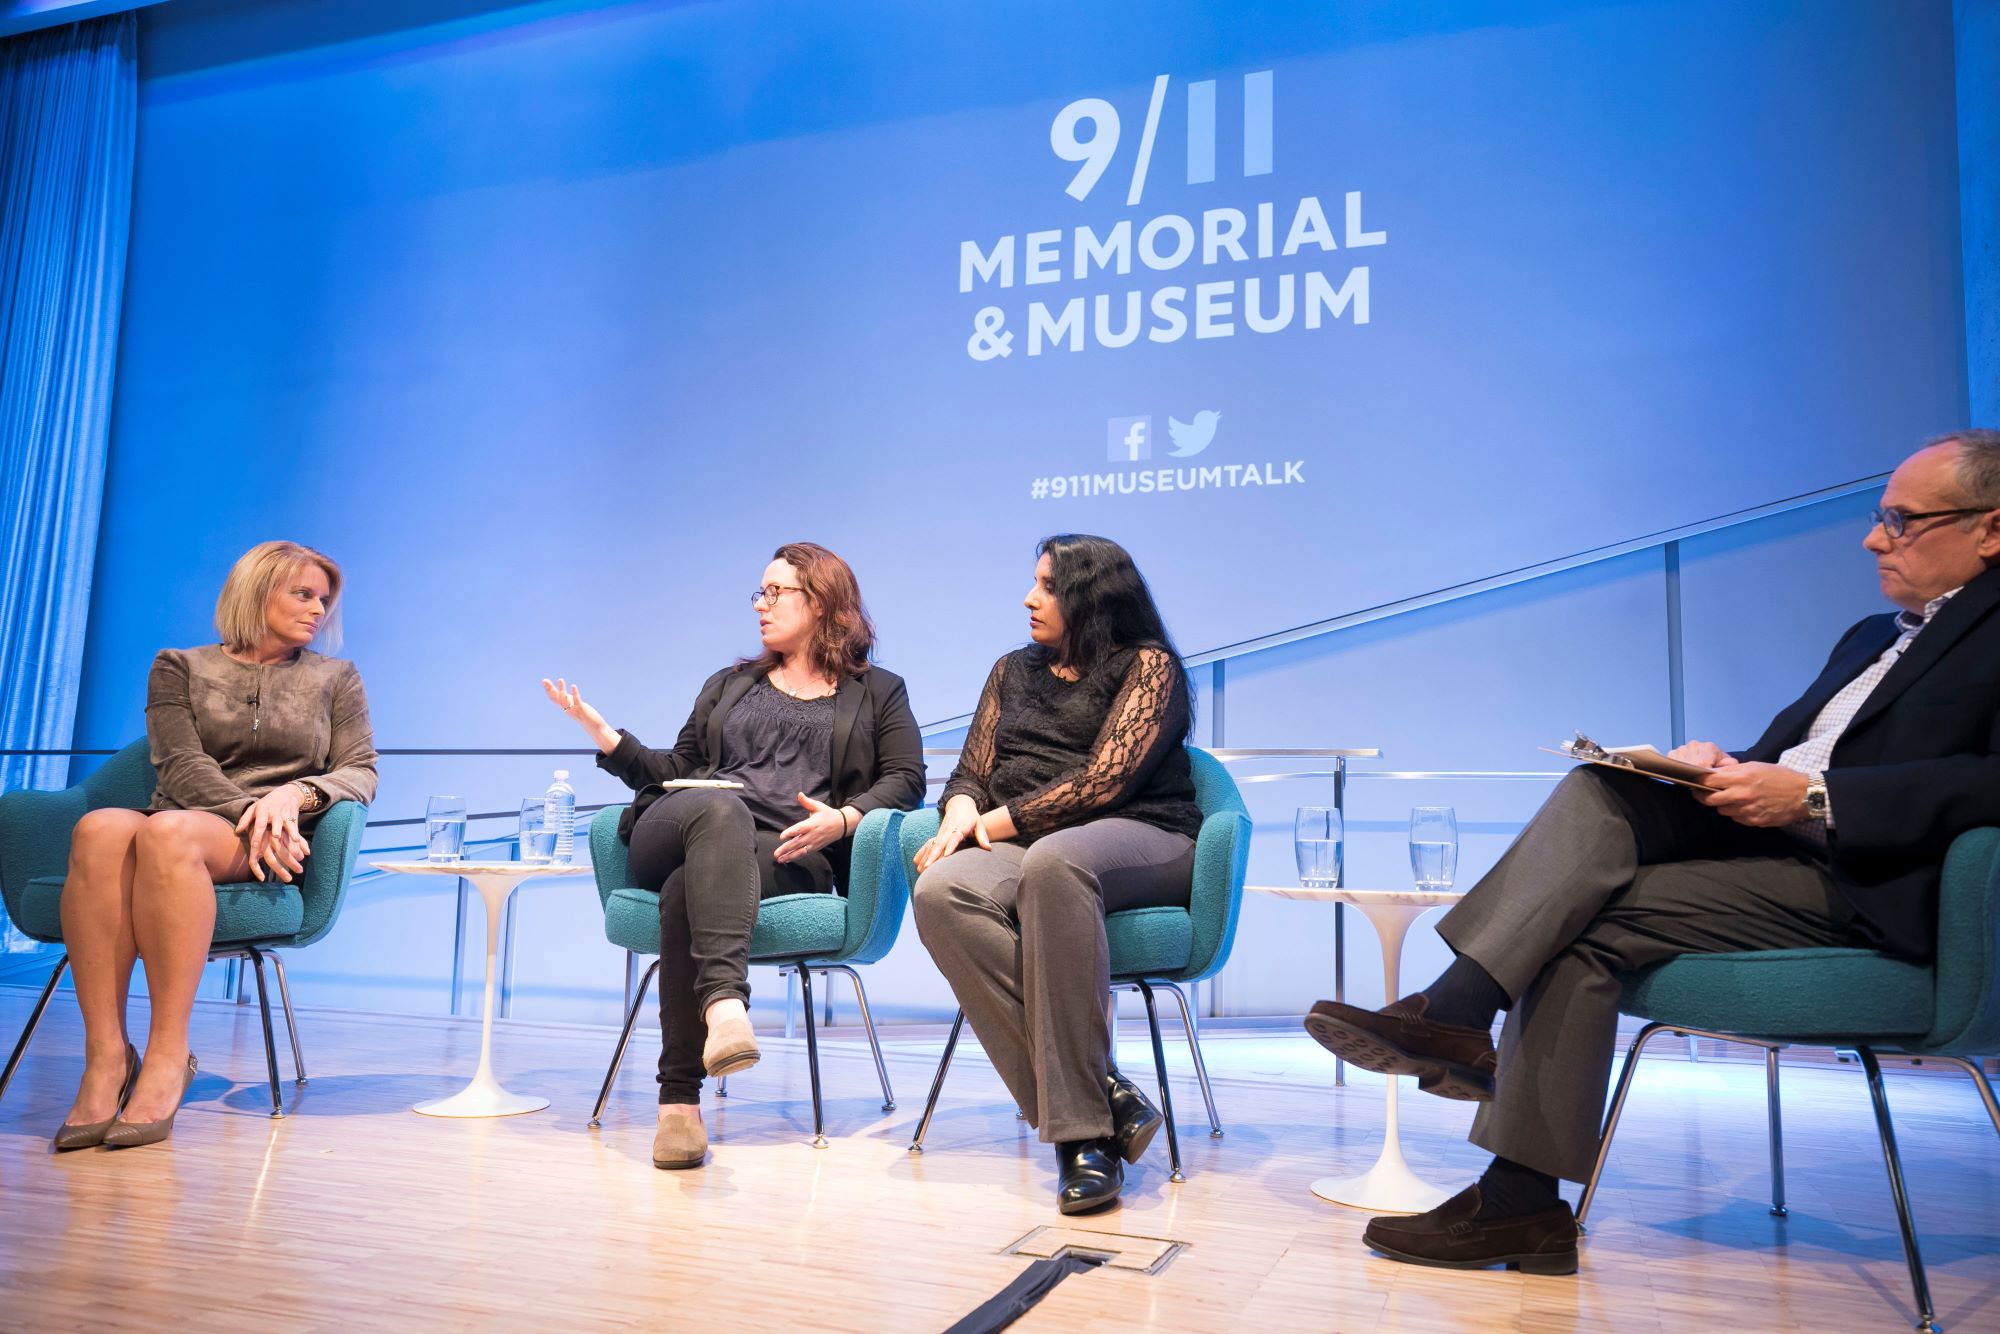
809, 737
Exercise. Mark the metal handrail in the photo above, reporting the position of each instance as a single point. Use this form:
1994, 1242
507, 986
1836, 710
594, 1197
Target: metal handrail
419, 750
1340, 773
1502, 775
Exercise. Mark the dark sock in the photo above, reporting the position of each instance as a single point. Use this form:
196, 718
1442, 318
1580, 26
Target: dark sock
1509, 1190
1464, 994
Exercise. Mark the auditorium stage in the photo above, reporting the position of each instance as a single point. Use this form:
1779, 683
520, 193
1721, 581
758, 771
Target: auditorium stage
354, 1213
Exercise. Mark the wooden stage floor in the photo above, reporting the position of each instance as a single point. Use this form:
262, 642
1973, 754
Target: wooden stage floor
354, 1213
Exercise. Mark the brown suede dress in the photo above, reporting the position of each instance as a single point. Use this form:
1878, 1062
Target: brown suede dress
223, 733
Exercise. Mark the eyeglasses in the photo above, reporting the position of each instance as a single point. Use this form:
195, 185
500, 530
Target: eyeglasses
1896, 522
770, 593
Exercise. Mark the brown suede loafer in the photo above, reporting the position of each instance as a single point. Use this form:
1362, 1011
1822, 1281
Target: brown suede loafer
1448, 1060
730, 1049
680, 1142
1451, 1237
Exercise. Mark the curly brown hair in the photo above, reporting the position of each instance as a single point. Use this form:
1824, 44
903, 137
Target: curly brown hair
844, 636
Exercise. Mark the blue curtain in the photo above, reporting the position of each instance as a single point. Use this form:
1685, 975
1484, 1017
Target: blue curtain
68, 116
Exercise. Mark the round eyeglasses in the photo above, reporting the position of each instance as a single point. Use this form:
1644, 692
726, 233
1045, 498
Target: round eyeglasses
769, 594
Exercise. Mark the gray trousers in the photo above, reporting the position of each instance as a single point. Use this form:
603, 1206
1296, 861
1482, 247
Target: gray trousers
1613, 874
1019, 934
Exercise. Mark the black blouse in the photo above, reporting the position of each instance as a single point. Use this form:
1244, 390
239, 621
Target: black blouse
778, 746
1057, 753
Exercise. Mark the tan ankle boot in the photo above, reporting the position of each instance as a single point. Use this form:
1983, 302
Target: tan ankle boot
731, 1046
680, 1142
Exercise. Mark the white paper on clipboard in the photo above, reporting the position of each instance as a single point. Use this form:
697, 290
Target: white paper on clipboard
1635, 759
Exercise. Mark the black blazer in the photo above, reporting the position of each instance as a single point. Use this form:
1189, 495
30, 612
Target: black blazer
1918, 766
878, 753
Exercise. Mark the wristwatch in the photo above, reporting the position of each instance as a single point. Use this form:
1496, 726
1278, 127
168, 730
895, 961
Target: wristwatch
314, 797
1816, 803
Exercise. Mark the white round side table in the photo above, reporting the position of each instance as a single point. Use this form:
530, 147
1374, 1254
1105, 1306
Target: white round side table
484, 1096
1389, 1186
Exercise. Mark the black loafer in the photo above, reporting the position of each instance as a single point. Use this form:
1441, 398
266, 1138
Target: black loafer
1092, 1176
1134, 1119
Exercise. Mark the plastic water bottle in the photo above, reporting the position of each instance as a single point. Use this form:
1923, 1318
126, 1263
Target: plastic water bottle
561, 805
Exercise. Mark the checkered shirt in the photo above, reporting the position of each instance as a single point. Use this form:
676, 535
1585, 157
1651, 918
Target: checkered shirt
1815, 751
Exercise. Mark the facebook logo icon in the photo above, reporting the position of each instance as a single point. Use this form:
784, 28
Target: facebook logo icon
1128, 439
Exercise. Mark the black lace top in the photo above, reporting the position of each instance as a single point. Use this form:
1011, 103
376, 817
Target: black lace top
1057, 753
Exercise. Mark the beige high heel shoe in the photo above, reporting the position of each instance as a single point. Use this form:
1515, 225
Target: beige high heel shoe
130, 1135
91, 1133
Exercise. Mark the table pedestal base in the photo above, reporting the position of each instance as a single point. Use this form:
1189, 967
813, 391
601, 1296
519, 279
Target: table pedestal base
481, 1098
1389, 1187
484, 1096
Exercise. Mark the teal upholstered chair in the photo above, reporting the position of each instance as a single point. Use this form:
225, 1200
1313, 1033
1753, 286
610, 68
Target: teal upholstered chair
1848, 999
804, 932
251, 920
1155, 947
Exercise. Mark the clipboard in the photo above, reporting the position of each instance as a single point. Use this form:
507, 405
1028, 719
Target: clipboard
1642, 760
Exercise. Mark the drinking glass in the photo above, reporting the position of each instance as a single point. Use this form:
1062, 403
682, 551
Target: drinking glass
537, 841
1433, 846
1316, 839
444, 829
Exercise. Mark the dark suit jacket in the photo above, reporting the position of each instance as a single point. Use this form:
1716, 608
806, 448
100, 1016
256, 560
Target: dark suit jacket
1918, 766
878, 753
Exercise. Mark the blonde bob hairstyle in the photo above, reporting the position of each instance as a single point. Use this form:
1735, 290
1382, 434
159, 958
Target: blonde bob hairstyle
258, 572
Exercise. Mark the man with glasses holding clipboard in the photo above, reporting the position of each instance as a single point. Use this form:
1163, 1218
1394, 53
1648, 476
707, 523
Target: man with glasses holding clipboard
1831, 830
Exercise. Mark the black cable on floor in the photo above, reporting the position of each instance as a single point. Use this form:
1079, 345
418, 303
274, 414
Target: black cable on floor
1012, 1302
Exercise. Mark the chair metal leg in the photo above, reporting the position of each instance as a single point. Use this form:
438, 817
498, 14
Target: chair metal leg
291, 1022
1926, 1317
1631, 1065
1971, 1067
1339, 941
1166, 1094
1200, 1066
944, 1064
868, 1026
722, 1086
1778, 1209
624, 1037
35, 1020
791, 1029
812, 1055
826, 1000
256, 958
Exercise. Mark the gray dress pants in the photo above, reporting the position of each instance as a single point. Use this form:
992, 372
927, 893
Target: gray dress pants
1615, 873
1019, 934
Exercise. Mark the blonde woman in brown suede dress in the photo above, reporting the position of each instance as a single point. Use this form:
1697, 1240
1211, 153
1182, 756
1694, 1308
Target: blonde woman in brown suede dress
251, 739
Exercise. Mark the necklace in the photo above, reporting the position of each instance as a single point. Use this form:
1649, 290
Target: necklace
787, 692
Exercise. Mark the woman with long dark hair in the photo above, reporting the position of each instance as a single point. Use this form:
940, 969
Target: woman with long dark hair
1075, 791
817, 737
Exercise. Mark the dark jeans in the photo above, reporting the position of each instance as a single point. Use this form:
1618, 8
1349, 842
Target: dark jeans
712, 866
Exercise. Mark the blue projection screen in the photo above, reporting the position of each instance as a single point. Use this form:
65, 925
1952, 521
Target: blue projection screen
550, 321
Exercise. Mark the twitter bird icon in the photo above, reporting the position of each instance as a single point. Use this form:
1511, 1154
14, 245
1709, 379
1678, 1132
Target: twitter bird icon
1191, 438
